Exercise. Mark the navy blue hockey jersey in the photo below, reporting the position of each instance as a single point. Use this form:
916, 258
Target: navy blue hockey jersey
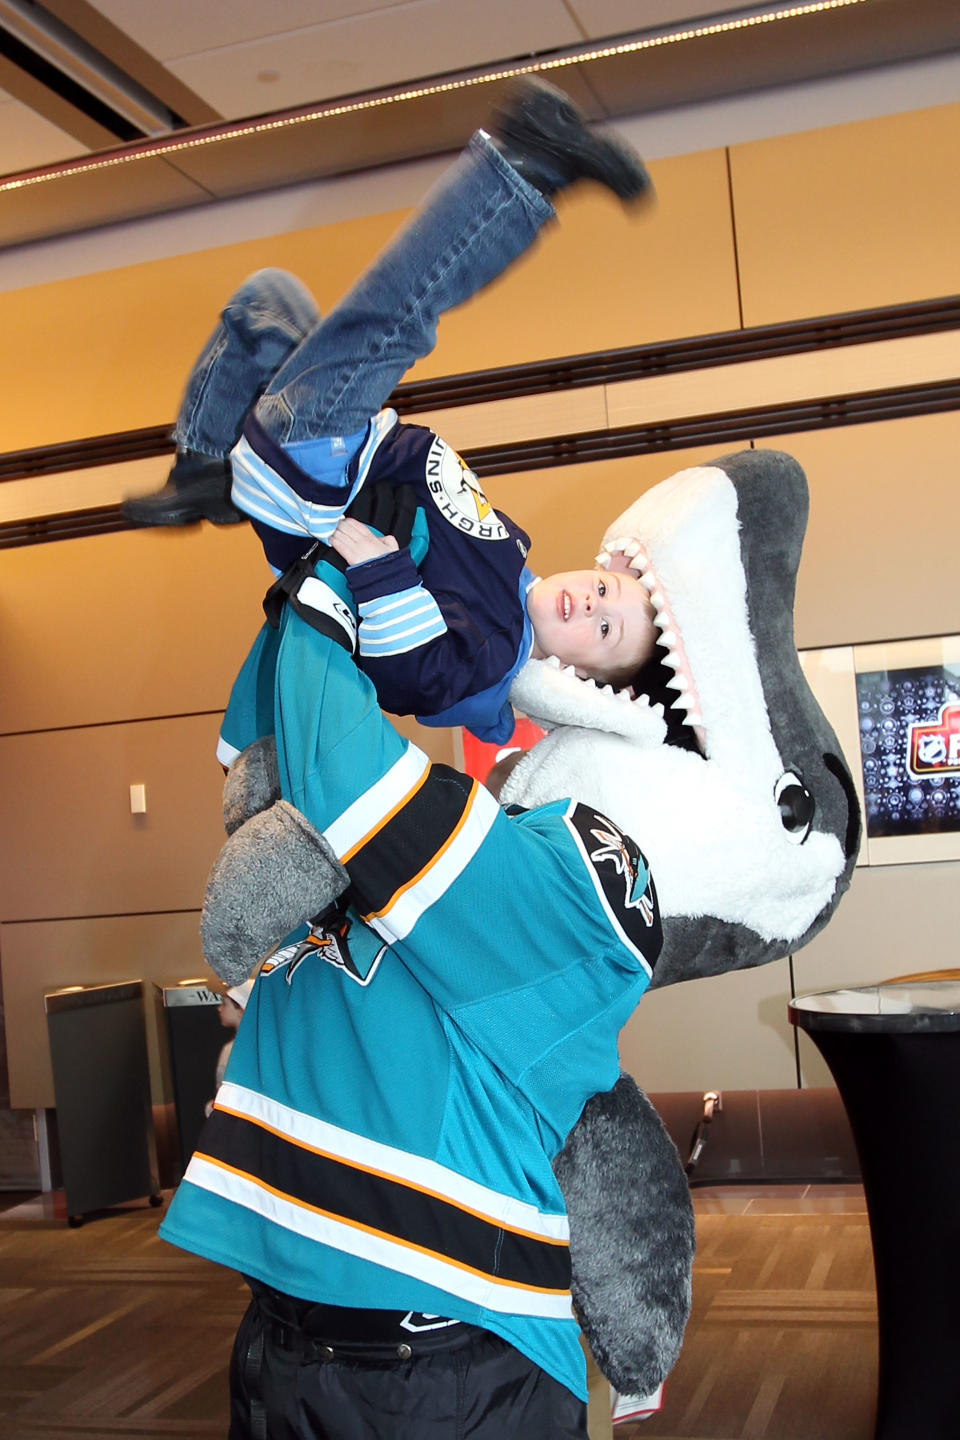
437, 630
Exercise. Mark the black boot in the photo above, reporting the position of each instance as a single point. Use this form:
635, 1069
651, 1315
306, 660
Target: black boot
542, 134
197, 488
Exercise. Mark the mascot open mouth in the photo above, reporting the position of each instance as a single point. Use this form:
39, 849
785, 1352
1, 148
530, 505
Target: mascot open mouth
722, 767
666, 681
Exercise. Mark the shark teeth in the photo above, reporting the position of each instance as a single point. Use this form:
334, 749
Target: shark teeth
685, 703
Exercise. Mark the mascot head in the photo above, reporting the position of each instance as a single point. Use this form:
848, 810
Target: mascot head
722, 767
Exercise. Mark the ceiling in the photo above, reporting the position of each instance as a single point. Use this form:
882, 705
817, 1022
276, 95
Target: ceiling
123, 108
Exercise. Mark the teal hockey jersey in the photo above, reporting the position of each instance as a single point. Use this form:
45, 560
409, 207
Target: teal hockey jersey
402, 1081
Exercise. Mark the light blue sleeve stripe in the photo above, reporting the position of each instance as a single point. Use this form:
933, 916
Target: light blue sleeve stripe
263, 494
393, 624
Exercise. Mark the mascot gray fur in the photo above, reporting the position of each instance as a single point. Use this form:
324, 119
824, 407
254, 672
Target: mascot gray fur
722, 767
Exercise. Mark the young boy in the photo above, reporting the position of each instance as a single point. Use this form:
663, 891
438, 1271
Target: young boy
448, 620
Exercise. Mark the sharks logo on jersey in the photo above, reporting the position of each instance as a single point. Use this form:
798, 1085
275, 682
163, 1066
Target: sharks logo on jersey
622, 878
327, 940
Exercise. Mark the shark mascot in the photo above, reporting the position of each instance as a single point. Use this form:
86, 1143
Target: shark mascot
721, 765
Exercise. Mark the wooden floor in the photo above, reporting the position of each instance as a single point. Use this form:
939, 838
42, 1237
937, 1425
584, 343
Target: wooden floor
107, 1332
782, 1340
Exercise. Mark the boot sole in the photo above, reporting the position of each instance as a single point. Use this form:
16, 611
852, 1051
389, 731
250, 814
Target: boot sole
180, 515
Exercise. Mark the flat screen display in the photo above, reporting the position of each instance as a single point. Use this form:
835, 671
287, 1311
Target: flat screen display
909, 720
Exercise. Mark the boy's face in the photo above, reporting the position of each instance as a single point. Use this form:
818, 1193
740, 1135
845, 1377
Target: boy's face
598, 621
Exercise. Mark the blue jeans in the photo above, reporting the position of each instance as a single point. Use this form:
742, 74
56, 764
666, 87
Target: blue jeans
307, 378
261, 324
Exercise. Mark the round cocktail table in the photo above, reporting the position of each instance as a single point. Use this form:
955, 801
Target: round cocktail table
894, 1052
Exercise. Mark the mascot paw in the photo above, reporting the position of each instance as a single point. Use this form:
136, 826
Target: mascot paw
275, 872
252, 783
631, 1237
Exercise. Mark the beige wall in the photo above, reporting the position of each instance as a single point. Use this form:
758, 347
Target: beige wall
116, 653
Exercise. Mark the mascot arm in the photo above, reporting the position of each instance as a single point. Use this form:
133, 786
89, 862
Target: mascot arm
631, 1237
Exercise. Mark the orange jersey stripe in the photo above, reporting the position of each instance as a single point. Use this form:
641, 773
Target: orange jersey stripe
377, 1234
384, 1175
437, 855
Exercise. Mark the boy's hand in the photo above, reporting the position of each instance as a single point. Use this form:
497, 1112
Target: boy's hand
357, 542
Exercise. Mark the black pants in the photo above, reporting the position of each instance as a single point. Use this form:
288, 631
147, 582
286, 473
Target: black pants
293, 1377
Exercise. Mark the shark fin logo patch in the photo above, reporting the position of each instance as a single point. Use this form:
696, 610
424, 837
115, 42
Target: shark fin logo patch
622, 876
328, 941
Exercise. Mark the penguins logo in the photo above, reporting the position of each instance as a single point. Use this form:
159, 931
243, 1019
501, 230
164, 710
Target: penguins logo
456, 493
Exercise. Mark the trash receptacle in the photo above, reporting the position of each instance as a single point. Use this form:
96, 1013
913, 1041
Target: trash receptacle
195, 1038
101, 1081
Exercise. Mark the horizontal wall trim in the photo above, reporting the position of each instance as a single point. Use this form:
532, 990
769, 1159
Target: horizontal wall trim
107, 915
858, 408
751, 424
733, 347
107, 724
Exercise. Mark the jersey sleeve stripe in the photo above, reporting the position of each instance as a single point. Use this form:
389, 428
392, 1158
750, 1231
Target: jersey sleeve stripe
361, 820
414, 858
435, 858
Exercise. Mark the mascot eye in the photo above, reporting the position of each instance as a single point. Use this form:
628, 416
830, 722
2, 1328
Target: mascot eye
796, 806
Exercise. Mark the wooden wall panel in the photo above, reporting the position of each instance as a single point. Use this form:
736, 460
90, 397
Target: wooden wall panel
609, 277
114, 348
44, 956
728, 1032
880, 558
125, 626
72, 846
848, 217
